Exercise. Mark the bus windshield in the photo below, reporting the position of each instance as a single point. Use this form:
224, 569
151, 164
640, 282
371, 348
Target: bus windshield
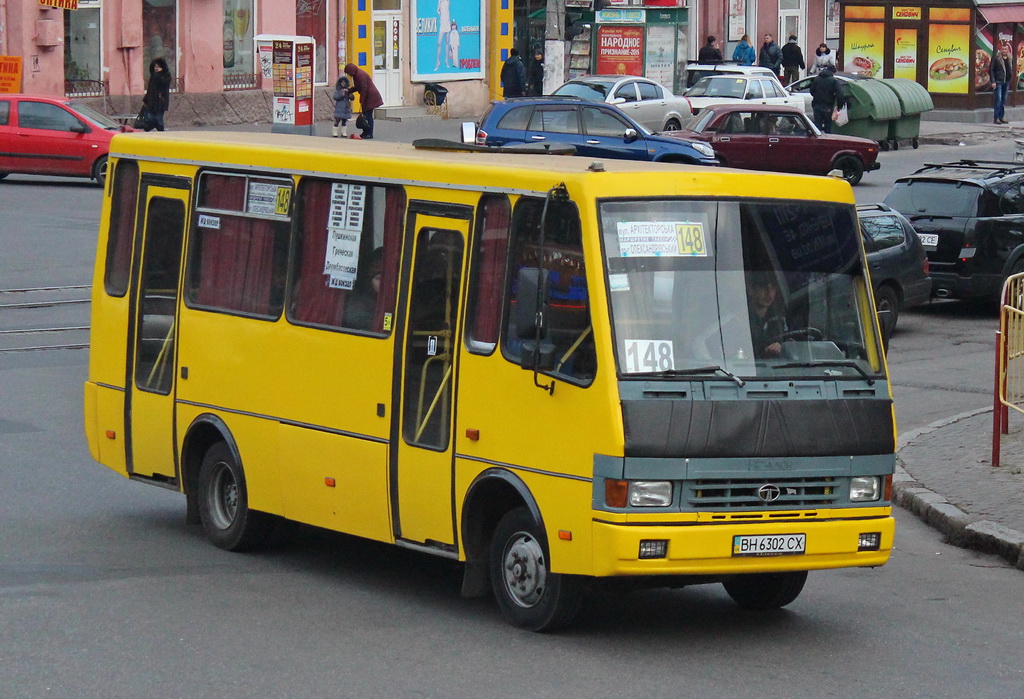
744, 288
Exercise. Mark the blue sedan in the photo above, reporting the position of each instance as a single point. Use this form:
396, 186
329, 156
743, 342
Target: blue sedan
595, 130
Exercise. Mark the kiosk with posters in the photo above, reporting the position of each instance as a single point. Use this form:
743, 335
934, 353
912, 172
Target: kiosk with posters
288, 62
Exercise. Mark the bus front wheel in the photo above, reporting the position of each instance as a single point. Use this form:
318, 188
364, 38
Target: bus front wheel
224, 503
528, 593
763, 591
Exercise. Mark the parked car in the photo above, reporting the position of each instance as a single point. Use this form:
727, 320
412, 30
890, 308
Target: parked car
54, 136
647, 102
695, 71
596, 130
897, 262
780, 139
803, 85
970, 216
752, 88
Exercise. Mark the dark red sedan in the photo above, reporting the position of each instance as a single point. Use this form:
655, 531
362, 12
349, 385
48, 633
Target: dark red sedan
42, 135
778, 138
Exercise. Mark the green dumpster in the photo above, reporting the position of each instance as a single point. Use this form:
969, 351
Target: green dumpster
914, 101
872, 106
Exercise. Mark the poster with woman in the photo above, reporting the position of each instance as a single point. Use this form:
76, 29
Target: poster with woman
831, 19
447, 44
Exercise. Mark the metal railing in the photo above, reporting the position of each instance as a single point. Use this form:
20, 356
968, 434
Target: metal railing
85, 88
1009, 374
241, 81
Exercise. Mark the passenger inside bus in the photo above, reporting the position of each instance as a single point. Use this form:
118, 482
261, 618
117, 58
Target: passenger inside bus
767, 317
361, 305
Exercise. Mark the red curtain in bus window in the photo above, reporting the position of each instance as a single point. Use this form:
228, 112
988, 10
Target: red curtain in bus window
124, 201
490, 281
394, 213
313, 300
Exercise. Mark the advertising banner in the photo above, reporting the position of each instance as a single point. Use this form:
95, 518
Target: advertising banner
904, 54
304, 52
291, 66
983, 57
661, 50
907, 13
737, 19
948, 56
60, 4
620, 50
10, 74
864, 50
447, 41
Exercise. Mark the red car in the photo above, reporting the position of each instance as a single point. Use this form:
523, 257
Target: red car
779, 138
42, 135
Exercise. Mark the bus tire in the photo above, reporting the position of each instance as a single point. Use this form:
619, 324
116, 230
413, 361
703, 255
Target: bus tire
763, 591
529, 595
224, 503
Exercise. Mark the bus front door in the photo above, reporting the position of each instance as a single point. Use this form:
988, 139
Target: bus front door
149, 403
423, 458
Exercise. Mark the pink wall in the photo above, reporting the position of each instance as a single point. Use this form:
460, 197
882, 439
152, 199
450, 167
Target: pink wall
43, 67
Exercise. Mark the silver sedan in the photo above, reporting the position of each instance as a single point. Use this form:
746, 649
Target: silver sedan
642, 99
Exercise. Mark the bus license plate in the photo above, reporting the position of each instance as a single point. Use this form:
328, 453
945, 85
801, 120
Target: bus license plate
769, 545
929, 240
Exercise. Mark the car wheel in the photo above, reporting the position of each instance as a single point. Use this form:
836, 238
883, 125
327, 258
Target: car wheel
887, 299
99, 170
528, 593
224, 503
672, 125
763, 591
852, 167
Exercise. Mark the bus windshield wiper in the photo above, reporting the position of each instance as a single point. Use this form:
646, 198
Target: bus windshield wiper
830, 362
688, 372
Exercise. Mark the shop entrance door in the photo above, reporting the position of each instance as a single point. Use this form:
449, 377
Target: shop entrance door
792, 23
387, 53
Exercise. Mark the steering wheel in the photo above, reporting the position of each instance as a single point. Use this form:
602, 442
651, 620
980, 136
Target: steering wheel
808, 333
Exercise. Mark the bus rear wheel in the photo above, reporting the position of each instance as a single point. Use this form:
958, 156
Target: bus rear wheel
224, 503
763, 591
528, 593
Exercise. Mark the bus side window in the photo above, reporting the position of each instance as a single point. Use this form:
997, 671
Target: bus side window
567, 303
347, 234
124, 199
488, 274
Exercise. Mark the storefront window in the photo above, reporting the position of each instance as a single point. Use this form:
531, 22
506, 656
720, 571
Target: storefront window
160, 34
238, 39
311, 20
82, 60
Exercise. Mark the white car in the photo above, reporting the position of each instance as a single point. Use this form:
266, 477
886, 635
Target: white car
644, 100
696, 71
757, 88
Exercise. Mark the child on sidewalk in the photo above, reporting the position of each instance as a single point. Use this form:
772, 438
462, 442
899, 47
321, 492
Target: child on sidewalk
342, 105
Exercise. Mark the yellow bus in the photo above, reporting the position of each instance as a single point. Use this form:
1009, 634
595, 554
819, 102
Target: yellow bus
554, 370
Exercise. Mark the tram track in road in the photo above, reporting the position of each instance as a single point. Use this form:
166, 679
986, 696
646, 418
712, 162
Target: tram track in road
43, 318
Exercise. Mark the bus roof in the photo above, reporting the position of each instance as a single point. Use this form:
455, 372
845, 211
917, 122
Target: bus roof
401, 162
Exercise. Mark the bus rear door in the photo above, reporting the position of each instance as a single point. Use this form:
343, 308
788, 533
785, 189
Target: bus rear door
422, 457
149, 404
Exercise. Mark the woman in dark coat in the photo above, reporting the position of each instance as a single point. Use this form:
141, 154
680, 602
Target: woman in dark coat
369, 97
158, 94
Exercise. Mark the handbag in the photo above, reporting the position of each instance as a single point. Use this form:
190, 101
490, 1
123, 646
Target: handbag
841, 116
143, 121
361, 122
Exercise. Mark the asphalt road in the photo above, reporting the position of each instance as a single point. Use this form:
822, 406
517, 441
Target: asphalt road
105, 592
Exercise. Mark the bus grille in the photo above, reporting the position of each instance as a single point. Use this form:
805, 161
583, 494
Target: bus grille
725, 493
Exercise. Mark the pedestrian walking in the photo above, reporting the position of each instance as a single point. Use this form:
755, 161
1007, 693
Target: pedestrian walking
792, 61
709, 52
999, 71
826, 96
770, 55
823, 56
369, 97
157, 99
744, 53
513, 75
342, 105
535, 73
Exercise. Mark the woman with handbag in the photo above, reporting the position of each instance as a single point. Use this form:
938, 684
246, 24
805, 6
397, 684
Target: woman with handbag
369, 97
158, 95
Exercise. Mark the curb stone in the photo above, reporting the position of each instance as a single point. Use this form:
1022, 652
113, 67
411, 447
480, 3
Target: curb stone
959, 528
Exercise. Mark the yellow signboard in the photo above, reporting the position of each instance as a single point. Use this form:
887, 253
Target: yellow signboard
913, 13
862, 12
949, 14
10, 74
948, 57
60, 4
904, 54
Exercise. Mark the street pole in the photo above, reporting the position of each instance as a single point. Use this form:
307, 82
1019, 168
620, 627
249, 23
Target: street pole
554, 46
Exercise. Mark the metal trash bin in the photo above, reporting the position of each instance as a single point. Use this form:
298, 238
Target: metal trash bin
435, 96
871, 106
914, 100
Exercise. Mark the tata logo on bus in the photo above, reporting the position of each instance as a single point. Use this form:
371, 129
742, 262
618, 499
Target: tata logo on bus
906, 13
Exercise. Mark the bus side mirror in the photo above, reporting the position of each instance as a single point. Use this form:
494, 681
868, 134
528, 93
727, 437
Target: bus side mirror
531, 326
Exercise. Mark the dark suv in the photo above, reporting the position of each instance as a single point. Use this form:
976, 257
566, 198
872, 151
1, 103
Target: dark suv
970, 217
596, 130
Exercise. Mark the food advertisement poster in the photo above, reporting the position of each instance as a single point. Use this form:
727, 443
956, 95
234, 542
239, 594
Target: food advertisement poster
1018, 58
983, 58
864, 51
620, 50
948, 55
904, 54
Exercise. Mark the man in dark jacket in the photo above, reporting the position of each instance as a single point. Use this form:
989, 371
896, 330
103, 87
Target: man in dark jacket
369, 97
792, 61
826, 95
513, 75
710, 53
999, 71
770, 55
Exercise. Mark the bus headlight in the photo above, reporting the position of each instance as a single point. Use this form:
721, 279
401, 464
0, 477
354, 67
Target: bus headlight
865, 488
650, 493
